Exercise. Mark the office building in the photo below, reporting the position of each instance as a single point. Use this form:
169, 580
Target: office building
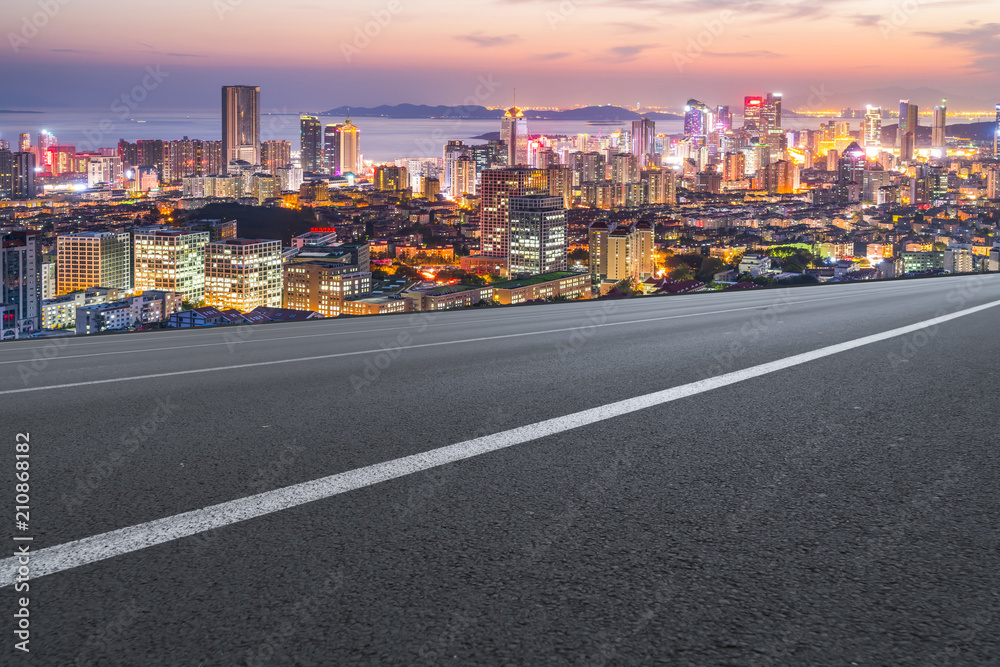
94, 259
463, 177
20, 282
350, 149
21, 183
643, 139
172, 260
390, 178
240, 124
514, 134
243, 274
497, 187
537, 226
331, 149
311, 138
906, 135
770, 115
873, 126
105, 171
939, 128
274, 155
753, 106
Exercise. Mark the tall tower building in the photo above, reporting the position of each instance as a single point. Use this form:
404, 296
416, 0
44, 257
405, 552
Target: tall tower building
311, 144
770, 116
275, 155
643, 139
906, 135
22, 176
21, 287
498, 186
752, 108
697, 119
6, 174
873, 126
240, 124
331, 148
350, 148
996, 136
24, 141
938, 132
463, 177
514, 133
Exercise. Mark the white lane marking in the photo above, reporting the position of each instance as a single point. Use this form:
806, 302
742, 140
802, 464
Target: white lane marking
684, 300
134, 538
401, 349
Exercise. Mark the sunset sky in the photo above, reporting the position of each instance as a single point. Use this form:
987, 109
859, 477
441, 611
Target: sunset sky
556, 53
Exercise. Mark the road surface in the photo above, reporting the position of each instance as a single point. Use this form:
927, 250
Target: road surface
781, 477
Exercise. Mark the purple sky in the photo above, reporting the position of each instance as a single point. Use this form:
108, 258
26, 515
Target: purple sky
308, 56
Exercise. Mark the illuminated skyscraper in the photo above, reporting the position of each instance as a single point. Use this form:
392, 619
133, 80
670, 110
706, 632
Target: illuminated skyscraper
240, 124
514, 133
498, 186
275, 155
172, 260
350, 149
21, 286
24, 141
311, 144
996, 136
752, 108
243, 274
22, 176
723, 119
643, 138
906, 135
463, 177
331, 148
537, 225
94, 259
770, 115
697, 119
873, 126
938, 140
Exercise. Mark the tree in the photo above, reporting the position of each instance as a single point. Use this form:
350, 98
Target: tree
940, 247
681, 273
709, 268
581, 255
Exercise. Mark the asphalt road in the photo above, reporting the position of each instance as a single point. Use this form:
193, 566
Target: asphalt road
840, 511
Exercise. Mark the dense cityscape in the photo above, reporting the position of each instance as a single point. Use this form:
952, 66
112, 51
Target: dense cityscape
158, 232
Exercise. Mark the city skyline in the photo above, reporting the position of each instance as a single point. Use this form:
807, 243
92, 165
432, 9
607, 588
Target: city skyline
557, 54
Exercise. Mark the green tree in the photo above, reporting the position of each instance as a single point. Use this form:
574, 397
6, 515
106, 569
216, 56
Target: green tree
709, 268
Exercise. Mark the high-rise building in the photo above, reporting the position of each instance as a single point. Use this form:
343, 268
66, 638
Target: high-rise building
851, 166
93, 259
939, 129
171, 260
6, 174
24, 142
104, 170
498, 186
873, 126
753, 106
659, 186
331, 148
463, 177
390, 178
20, 281
537, 225
906, 134
561, 183
723, 119
350, 149
770, 115
311, 145
243, 274
619, 252
274, 155
150, 153
514, 133
22, 176
996, 136
697, 119
240, 124
643, 139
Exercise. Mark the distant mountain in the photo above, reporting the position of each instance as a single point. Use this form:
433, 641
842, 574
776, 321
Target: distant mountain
974, 131
411, 111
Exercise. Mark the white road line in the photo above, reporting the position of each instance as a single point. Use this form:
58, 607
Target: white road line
402, 349
134, 538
